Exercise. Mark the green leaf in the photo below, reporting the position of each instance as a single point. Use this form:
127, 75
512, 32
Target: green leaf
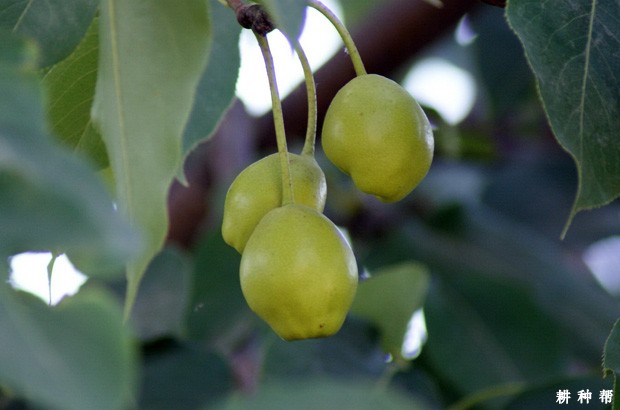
574, 51
217, 304
611, 354
499, 55
57, 26
152, 54
21, 109
484, 327
321, 394
163, 296
352, 352
505, 305
288, 15
50, 200
355, 11
611, 359
488, 243
77, 355
71, 90
183, 377
389, 298
216, 89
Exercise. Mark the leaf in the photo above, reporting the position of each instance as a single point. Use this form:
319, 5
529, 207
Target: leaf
183, 377
77, 355
322, 393
289, 15
506, 305
71, 89
163, 296
499, 55
56, 25
352, 352
356, 11
217, 304
216, 89
574, 50
50, 200
611, 359
389, 298
485, 327
611, 354
152, 54
484, 241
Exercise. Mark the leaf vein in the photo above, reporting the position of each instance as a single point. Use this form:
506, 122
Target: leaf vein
584, 81
21, 16
115, 54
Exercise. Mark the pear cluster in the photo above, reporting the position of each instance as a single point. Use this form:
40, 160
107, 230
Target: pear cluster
297, 271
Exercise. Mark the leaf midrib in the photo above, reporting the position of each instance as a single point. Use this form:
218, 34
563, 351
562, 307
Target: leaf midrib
120, 107
582, 110
21, 16
584, 80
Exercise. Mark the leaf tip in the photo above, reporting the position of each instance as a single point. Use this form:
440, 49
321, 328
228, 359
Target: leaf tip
569, 222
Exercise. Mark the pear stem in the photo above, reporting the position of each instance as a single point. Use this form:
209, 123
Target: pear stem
278, 120
310, 140
354, 54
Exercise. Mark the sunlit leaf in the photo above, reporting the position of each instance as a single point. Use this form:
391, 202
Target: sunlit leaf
152, 54
75, 356
574, 50
56, 25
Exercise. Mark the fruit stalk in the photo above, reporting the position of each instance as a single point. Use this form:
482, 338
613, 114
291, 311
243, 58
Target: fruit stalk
278, 119
354, 54
309, 142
